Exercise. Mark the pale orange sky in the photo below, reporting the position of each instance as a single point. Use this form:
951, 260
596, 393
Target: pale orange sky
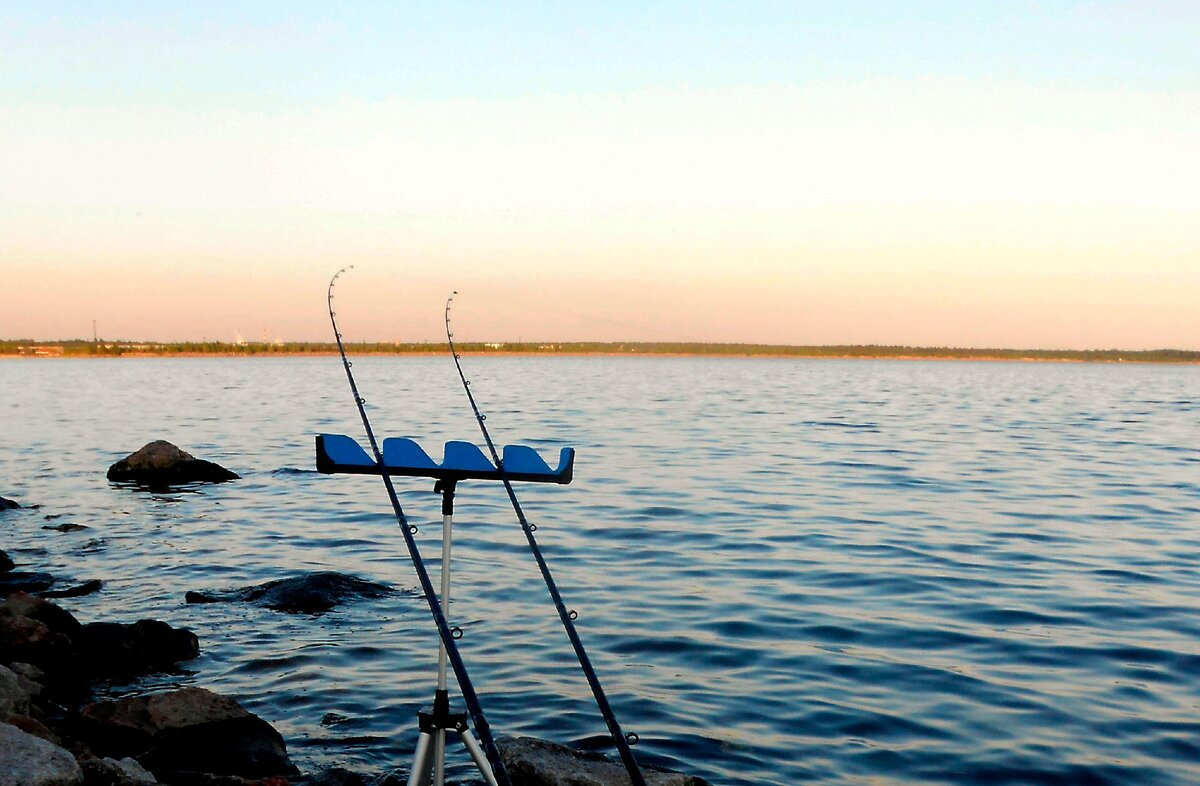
936, 201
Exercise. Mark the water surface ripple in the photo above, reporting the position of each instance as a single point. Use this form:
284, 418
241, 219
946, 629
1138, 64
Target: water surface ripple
787, 572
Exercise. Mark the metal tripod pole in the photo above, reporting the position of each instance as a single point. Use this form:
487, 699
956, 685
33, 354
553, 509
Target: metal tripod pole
435, 724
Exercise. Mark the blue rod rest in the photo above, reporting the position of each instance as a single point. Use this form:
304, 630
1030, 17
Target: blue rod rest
339, 454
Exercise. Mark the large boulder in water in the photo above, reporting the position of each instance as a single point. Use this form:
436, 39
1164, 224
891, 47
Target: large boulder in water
311, 593
7, 504
190, 730
534, 762
160, 463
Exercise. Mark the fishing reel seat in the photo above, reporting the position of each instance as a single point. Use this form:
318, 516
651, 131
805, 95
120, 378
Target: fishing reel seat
340, 454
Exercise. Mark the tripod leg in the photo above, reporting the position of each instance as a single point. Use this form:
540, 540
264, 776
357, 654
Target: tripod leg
420, 766
439, 757
477, 755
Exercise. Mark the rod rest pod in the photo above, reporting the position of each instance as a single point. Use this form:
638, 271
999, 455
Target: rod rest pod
340, 454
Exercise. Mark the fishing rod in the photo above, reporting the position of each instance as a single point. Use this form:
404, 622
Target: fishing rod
621, 739
470, 698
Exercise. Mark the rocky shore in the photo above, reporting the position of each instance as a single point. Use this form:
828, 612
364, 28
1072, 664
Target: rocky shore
57, 730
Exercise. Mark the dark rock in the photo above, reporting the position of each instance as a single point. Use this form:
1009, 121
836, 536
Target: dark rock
6, 564
115, 772
35, 631
31, 725
187, 778
336, 776
186, 730
67, 527
8, 504
118, 649
160, 464
78, 591
534, 762
311, 593
26, 760
23, 581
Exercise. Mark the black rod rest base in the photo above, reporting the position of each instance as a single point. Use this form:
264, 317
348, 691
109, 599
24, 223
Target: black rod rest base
439, 716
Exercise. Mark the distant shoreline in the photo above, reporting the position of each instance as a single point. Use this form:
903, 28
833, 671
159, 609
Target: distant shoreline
27, 349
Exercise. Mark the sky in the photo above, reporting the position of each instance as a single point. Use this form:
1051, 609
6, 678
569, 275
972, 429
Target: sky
974, 174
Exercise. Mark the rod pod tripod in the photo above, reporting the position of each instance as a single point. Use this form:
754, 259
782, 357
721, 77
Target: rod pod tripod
435, 722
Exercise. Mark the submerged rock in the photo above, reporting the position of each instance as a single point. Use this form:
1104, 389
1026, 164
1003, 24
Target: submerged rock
311, 593
160, 463
8, 504
534, 762
187, 730
22, 581
67, 527
78, 591
26, 760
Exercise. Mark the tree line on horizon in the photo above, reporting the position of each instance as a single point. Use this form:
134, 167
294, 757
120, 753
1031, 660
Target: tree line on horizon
83, 348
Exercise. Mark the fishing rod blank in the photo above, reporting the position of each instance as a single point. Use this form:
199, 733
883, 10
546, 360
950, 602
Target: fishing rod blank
621, 739
470, 698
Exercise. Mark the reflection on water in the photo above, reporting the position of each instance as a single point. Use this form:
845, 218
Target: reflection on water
786, 571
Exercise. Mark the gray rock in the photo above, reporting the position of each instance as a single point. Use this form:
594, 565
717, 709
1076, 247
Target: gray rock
534, 762
311, 593
8, 504
116, 772
160, 464
14, 696
26, 760
187, 730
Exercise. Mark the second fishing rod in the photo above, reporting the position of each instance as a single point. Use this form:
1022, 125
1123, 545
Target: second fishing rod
620, 738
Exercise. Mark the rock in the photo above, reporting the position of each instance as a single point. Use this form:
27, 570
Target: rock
8, 504
67, 527
14, 696
6, 564
24, 581
534, 762
311, 593
35, 727
26, 760
78, 591
208, 779
160, 463
336, 776
116, 772
186, 730
118, 649
35, 631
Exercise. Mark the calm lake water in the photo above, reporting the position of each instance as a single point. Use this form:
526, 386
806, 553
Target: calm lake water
787, 571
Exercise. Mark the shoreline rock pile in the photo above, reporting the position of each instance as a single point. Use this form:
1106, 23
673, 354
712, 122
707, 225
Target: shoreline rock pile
54, 733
